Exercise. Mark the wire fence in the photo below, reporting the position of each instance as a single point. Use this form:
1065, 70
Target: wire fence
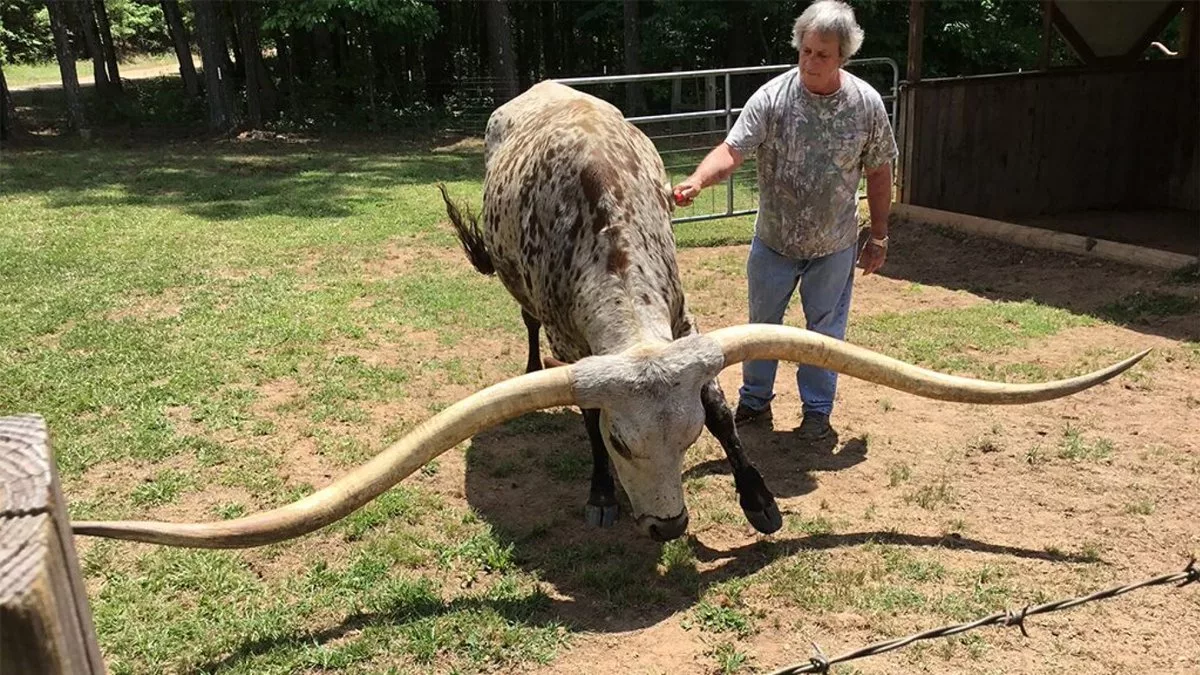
819, 663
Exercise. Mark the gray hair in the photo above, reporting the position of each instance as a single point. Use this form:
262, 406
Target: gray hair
830, 17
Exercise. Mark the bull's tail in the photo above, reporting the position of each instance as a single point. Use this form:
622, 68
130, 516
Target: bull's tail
467, 229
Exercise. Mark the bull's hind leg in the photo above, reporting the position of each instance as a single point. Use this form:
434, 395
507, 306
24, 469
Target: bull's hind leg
601, 509
532, 327
755, 498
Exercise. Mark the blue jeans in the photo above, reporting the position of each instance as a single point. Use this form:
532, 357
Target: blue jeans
825, 285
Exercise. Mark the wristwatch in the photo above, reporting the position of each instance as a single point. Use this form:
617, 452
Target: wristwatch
882, 243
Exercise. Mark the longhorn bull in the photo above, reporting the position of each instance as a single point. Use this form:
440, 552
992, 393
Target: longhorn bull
576, 224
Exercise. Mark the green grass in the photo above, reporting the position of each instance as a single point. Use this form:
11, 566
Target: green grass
22, 75
99, 243
1140, 307
933, 495
1075, 447
162, 489
212, 602
886, 581
152, 300
729, 658
961, 339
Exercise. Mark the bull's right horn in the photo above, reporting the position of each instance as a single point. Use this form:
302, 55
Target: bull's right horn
786, 343
487, 408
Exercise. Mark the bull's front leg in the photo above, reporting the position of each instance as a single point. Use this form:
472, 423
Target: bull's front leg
532, 328
601, 509
755, 498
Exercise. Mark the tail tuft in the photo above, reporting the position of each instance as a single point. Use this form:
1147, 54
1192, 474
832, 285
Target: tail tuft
469, 234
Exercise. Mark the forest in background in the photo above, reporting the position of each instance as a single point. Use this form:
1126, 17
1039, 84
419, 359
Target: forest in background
386, 64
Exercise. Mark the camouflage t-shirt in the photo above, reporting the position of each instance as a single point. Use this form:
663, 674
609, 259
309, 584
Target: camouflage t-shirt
811, 154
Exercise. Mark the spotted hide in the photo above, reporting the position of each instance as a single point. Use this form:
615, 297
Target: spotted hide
577, 222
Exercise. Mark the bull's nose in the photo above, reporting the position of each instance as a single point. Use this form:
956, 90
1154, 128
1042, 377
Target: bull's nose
666, 530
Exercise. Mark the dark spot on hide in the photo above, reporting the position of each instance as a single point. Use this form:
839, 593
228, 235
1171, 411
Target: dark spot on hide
618, 259
600, 220
593, 179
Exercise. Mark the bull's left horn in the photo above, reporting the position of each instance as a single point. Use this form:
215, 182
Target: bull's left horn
786, 343
484, 409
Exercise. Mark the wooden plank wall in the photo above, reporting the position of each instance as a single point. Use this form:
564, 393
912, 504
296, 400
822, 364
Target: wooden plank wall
1054, 142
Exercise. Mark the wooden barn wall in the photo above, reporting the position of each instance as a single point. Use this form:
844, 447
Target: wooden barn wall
1045, 143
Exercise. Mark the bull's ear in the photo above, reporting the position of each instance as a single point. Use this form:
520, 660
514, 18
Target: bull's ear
551, 362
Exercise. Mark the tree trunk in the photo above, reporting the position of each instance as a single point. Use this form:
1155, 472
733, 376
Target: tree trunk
437, 56
66, 65
9, 127
526, 51
500, 50
259, 88
634, 102
303, 49
110, 48
287, 64
569, 51
183, 50
323, 46
217, 84
549, 39
86, 20
229, 17
373, 119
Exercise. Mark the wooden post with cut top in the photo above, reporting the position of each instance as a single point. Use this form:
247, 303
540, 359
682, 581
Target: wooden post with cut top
45, 623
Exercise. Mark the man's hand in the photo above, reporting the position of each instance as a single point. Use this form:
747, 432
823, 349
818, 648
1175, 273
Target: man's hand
686, 191
716, 166
872, 258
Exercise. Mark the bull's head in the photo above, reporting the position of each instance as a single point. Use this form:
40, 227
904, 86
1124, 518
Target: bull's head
650, 402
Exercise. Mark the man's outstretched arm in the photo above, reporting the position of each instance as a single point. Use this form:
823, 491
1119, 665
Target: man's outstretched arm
720, 162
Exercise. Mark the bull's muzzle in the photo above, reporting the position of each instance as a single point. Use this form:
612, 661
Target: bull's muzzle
660, 529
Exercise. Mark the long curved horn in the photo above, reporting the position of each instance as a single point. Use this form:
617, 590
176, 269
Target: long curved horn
496, 404
786, 343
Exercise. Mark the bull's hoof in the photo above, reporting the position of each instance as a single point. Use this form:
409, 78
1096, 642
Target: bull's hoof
756, 501
601, 516
767, 521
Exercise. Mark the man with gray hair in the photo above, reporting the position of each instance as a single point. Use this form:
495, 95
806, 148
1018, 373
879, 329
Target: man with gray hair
816, 130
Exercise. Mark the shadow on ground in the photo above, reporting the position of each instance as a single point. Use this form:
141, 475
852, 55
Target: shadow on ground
529, 480
233, 180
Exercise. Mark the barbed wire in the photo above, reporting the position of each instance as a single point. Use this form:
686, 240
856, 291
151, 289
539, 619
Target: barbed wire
819, 663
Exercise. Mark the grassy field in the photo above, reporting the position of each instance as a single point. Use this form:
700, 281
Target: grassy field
24, 75
215, 329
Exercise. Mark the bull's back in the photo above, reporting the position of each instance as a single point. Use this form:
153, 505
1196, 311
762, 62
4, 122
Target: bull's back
577, 218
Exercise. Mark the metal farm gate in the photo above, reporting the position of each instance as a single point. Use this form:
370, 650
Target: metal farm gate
684, 137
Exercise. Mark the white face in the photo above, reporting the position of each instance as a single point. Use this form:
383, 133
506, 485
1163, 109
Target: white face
650, 414
646, 441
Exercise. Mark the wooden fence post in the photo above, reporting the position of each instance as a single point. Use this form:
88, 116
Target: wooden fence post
45, 623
